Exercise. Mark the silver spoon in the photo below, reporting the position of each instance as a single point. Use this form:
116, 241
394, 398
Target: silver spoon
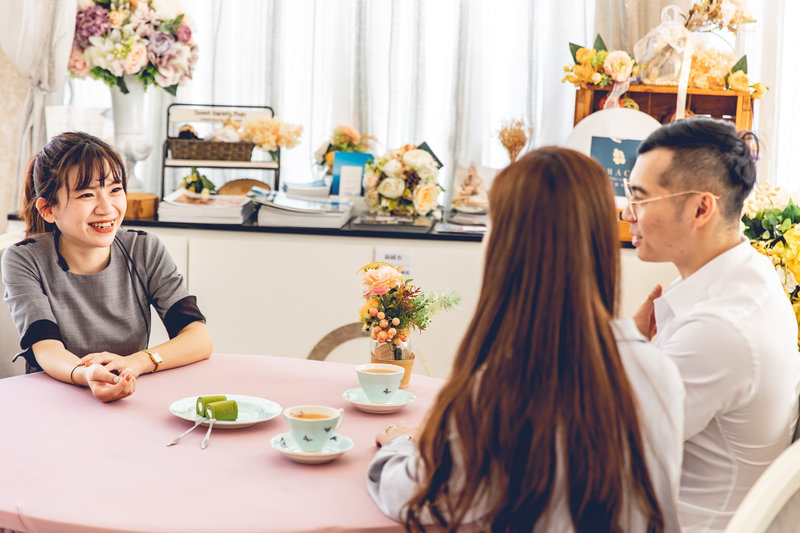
208, 433
179, 437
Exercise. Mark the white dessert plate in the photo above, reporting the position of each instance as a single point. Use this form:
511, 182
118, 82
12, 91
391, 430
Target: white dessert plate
334, 448
252, 410
400, 399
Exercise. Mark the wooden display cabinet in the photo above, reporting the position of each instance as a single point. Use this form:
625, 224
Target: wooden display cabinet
659, 102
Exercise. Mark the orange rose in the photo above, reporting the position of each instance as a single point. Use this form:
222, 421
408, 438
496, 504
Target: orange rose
381, 280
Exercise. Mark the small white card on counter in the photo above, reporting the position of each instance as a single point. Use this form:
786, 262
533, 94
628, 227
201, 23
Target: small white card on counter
399, 257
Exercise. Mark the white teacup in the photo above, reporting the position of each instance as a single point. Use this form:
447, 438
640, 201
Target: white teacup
379, 381
311, 426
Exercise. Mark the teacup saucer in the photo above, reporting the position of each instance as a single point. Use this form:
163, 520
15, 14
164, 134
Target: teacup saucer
400, 399
334, 448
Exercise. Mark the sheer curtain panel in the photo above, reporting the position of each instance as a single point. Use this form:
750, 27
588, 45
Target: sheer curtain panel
37, 38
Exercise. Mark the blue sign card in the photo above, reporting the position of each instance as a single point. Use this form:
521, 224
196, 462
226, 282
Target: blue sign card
348, 173
617, 157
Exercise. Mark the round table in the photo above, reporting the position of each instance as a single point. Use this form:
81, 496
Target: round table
69, 463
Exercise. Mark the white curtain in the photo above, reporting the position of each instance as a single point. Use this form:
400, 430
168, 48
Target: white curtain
36, 37
447, 72
623, 22
770, 45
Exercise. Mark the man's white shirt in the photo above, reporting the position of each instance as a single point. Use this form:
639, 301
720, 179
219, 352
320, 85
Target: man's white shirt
732, 333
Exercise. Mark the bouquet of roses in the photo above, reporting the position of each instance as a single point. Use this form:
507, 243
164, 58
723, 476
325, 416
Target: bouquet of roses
770, 220
271, 133
394, 307
150, 39
597, 66
343, 139
403, 182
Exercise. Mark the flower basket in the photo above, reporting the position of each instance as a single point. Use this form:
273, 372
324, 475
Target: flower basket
210, 150
406, 364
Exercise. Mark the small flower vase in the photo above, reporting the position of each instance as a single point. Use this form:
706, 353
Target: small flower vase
393, 353
131, 136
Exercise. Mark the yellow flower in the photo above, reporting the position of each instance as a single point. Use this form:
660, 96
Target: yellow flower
585, 56
793, 241
758, 91
117, 17
583, 73
738, 81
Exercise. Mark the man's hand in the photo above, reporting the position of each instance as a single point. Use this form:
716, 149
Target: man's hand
645, 317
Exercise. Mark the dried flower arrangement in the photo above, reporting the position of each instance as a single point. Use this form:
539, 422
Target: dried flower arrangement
514, 136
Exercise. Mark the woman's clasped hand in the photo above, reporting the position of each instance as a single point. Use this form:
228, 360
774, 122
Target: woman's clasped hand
106, 385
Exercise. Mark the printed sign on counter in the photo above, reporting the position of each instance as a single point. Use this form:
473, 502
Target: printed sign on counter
399, 257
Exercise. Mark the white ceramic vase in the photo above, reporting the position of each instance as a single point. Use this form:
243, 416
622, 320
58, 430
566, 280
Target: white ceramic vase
131, 136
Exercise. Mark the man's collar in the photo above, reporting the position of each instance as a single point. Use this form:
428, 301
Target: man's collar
682, 293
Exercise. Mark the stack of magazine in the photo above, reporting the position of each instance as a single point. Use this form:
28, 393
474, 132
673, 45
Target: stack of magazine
186, 206
282, 210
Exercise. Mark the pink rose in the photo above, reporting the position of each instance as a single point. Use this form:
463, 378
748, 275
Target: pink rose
381, 280
168, 76
618, 65
77, 63
183, 33
136, 59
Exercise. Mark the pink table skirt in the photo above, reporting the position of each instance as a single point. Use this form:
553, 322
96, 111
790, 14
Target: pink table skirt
69, 463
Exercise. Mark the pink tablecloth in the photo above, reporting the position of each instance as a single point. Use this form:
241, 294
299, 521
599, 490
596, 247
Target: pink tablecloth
69, 463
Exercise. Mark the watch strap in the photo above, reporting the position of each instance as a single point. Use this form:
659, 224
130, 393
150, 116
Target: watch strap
155, 358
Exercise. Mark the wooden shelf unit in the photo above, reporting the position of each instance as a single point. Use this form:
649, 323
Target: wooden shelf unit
659, 102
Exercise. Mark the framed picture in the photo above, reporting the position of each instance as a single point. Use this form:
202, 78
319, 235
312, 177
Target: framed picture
611, 137
348, 173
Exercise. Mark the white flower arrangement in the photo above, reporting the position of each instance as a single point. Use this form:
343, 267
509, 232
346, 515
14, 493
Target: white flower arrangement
403, 182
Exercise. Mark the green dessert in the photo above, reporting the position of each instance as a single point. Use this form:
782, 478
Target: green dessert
223, 410
203, 401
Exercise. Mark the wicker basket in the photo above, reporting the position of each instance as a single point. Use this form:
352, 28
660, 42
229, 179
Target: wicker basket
210, 150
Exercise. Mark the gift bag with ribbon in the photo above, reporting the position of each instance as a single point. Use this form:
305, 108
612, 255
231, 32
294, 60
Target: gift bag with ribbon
665, 55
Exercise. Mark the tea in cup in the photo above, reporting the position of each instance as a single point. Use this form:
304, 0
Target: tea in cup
311, 426
379, 381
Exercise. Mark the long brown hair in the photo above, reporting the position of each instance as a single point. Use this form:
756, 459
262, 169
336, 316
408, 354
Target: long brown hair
49, 170
539, 370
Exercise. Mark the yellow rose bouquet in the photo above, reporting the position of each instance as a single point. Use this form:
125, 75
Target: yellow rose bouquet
403, 182
770, 220
597, 66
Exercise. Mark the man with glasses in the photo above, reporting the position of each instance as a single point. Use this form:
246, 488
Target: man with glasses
725, 322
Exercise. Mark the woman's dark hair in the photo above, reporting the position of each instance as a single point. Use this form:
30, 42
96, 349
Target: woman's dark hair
50, 169
538, 381
708, 155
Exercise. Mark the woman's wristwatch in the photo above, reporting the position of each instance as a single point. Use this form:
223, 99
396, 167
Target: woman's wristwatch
155, 358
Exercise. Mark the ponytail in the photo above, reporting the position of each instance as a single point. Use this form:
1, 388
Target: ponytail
34, 223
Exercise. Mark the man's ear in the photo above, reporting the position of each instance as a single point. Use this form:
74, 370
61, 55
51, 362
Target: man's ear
706, 208
45, 210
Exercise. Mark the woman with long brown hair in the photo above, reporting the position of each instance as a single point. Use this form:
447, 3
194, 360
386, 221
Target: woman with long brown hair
556, 417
